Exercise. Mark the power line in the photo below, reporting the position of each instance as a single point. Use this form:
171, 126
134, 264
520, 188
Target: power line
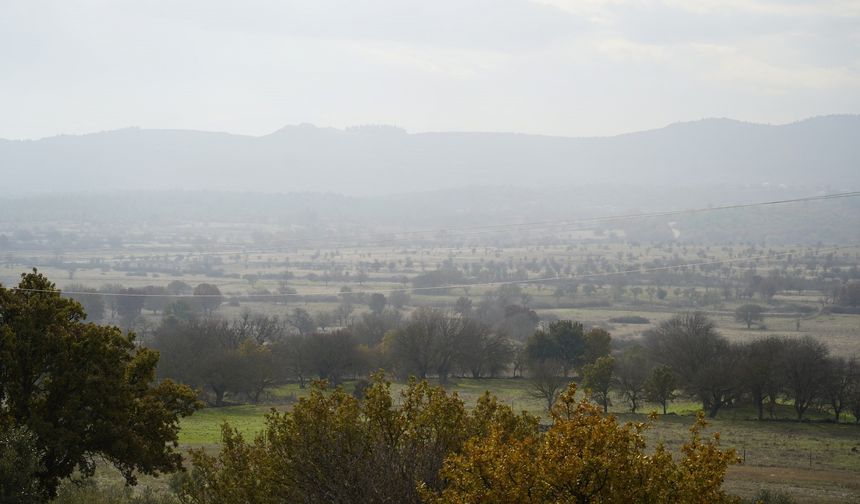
461, 285
465, 231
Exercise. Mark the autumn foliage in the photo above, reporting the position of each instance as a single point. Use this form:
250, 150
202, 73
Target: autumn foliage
585, 456
426, 446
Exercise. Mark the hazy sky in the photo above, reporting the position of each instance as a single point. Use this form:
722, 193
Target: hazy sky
564, 67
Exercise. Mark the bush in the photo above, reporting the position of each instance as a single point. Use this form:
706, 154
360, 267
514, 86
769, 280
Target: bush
630, 319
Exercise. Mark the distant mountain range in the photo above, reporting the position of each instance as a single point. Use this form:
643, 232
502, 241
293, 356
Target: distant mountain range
821, 152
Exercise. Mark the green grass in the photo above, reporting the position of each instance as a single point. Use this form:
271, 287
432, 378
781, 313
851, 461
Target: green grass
204, 426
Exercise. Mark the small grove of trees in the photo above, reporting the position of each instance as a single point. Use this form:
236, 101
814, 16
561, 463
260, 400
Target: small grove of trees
434, 342
333, 447
238, 360
702, 359
694, 358
72, 392
243, 358
686, 355
567, 343
551, 353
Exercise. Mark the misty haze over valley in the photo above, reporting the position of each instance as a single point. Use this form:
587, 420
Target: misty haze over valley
457, 251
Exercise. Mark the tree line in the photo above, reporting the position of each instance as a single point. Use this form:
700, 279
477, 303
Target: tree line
687, 355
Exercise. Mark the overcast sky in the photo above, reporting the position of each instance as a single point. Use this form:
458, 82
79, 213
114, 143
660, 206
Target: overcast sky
561, 67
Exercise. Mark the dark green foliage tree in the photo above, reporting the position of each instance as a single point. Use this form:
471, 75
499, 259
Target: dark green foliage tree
563, 342
84, 391
377, 303
598, 342
541, 347
749, 313
570, 338
660, 386
208, 297
597, 377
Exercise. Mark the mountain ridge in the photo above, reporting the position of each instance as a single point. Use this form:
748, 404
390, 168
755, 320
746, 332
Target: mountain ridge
358, 127
374, 160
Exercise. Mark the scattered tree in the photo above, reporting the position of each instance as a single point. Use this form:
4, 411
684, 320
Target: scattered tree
749, 313
661, 385
597, 377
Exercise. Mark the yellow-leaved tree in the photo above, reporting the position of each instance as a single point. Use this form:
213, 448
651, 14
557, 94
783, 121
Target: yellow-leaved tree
585, 456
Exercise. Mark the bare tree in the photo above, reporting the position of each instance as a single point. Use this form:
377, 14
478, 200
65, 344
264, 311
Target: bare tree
702, 358
761, 371
631, 373
546, 381
841, 377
